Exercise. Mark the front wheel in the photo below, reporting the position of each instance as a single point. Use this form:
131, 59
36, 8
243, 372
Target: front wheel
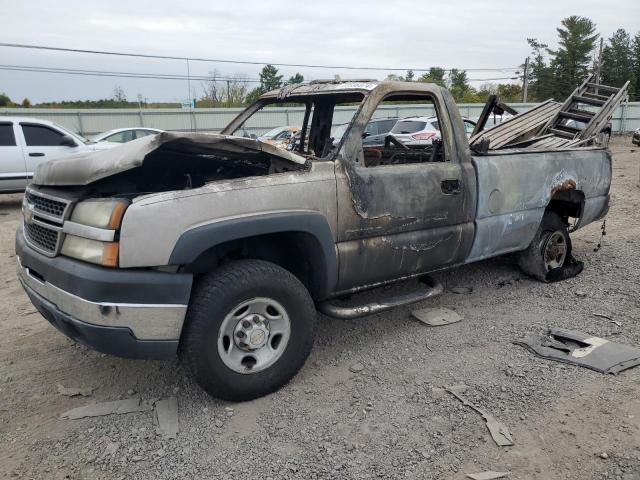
249, 329
548, 257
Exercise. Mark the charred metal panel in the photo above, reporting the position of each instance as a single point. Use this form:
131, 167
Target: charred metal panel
594, 209
86, 168
384, 257
515, 189
396, 220
161, 218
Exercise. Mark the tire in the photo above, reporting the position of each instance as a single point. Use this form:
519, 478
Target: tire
538, 260
240, 302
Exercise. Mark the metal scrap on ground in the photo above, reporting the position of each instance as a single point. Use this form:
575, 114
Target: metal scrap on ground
489, 475
74, 392
583, 350
166, 417
499, 432
436, 317
118, 407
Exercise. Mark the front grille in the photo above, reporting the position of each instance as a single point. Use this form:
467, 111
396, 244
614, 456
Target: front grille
42, 237
48, 206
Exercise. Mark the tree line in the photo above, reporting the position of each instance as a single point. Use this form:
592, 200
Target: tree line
551, 73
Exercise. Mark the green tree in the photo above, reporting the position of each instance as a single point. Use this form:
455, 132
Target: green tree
635, 94
618, 61
297, 78
435, 75
269, 80
459, 85
26, 103
5, 101
409, 76
541, 80
119, 95
570, 63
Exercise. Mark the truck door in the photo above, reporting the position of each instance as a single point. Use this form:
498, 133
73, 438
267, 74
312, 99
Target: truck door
13, 171
43, 143
404, 209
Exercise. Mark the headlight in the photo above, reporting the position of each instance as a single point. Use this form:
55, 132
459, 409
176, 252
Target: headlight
100, 213
91, 231
94, 251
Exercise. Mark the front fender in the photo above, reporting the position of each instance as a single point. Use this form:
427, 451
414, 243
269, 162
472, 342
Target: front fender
196, 241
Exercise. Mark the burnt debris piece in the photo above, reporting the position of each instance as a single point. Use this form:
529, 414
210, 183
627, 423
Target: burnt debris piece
578, 122
582, 349
436, 317
498, 430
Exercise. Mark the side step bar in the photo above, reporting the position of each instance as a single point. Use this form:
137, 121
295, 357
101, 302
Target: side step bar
343, 310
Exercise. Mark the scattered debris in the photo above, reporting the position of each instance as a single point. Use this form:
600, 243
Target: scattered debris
356, 367
74, 392
166, 416
461, 290
602, 315
583, 350
581, 294
118, 407
436, 317
499, 432
489, 475
604, 455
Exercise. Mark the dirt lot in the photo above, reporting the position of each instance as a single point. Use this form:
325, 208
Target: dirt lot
388, 419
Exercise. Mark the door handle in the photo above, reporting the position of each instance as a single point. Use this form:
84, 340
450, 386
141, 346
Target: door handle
36, 154
450, 186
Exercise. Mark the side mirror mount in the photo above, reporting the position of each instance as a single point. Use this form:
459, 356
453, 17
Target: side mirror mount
68, 141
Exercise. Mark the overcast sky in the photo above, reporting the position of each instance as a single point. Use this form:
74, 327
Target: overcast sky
418, 34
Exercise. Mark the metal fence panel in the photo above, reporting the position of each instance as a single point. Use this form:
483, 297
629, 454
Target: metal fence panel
92, 121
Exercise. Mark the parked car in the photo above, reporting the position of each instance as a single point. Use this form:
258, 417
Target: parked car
279, 136
222, 257
374, 134
415, 131
124, 135
635, 139
26, 142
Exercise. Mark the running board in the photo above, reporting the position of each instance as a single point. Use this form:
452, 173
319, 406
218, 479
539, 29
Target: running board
343, 310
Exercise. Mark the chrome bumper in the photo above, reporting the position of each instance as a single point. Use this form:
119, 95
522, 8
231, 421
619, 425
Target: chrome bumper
146, 321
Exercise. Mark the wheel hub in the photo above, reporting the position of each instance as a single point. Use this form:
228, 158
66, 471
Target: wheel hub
555, 251
251, 332
254, 335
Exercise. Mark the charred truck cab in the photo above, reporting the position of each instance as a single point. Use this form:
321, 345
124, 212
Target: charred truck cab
220, 248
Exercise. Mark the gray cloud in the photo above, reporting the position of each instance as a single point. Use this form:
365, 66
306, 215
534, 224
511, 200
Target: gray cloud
415, 34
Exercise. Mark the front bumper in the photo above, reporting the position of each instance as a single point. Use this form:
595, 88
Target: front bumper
129, 313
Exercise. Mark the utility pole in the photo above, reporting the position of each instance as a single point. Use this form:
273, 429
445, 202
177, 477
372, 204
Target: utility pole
525, 82
599, 64
228, 96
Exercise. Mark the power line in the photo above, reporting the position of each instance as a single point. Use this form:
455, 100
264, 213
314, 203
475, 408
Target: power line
103, 73
238, 62
159, 76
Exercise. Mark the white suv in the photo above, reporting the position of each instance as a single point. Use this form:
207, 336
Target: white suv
423, 130
26, 142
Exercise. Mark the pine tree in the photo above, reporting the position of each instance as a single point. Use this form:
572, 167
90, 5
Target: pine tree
617, 61
540, 74
571, 61
635, 93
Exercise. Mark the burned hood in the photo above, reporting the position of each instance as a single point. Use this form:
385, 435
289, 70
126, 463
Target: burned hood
86, 168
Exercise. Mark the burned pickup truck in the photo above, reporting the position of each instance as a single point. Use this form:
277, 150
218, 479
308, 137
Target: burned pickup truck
220, 248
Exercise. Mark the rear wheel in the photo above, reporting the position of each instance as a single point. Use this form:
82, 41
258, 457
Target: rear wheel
249, 329
550, 249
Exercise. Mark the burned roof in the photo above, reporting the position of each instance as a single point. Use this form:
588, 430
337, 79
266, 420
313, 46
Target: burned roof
343, 86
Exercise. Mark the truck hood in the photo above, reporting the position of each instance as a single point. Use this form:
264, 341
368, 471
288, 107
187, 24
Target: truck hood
88, 167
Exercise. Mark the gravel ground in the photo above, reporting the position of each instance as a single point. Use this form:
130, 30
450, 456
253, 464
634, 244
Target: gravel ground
369, 402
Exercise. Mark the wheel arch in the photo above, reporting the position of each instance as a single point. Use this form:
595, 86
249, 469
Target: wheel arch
567, 202
300, 241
